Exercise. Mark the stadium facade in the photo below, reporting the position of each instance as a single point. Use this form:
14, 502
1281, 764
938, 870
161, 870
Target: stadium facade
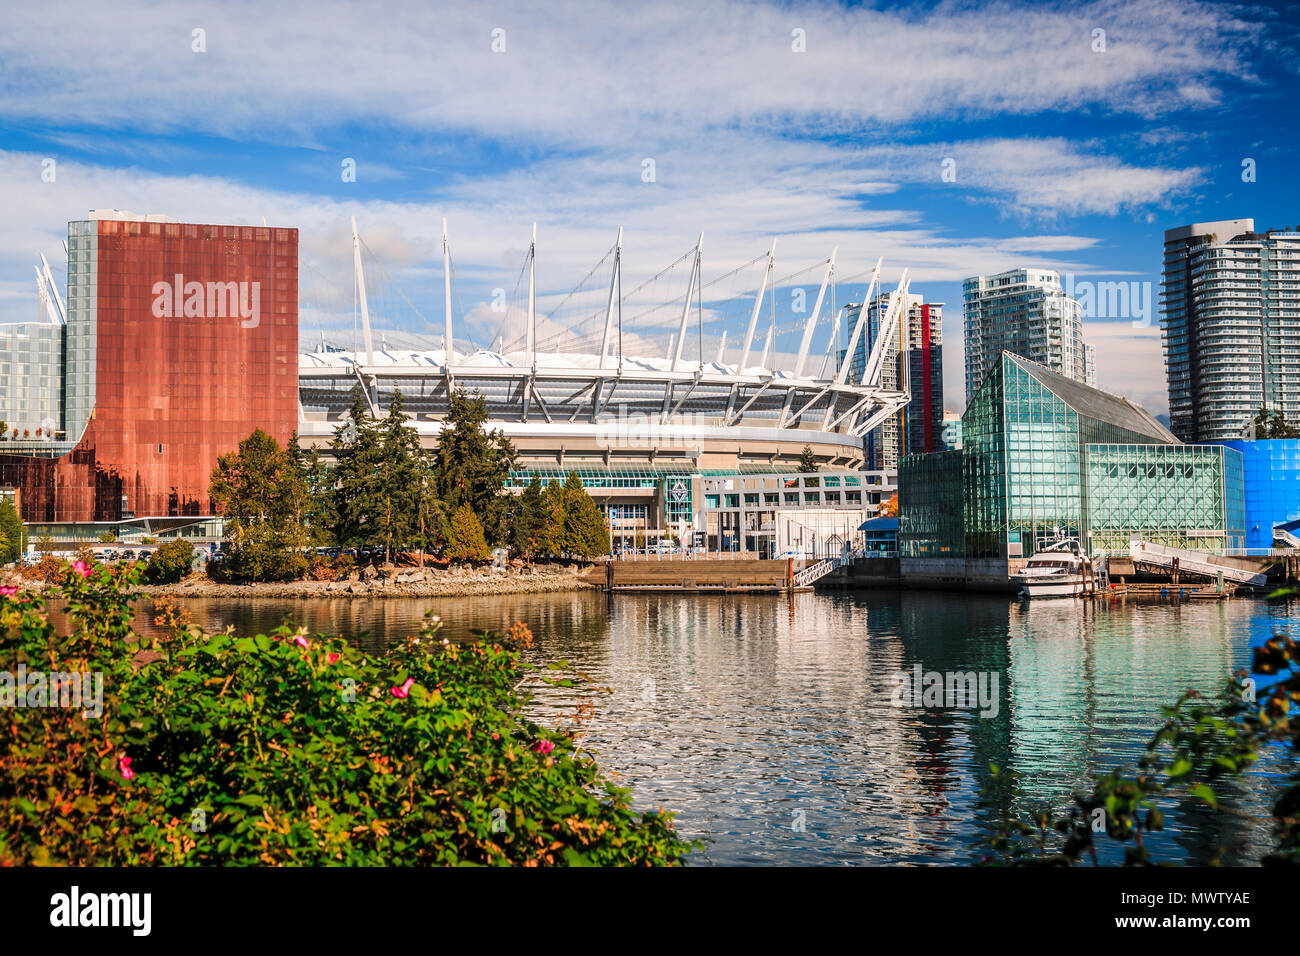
179, 339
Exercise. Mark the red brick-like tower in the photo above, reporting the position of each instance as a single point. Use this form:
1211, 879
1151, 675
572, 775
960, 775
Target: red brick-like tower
178, 379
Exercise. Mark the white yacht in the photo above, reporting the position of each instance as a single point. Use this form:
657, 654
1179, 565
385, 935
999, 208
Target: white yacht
1059, 569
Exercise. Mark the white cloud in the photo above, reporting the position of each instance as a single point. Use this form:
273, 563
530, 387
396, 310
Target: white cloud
579, 72
1025, 175
1130, 362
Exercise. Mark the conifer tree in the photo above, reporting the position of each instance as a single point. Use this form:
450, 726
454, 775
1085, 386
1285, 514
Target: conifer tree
358, 452
529, 524
465, 540
551, 536
585, 534
472, 464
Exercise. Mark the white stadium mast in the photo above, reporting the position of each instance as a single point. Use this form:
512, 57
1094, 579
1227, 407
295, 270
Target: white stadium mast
572, 380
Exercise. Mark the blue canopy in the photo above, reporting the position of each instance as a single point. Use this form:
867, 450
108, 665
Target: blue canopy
879, 524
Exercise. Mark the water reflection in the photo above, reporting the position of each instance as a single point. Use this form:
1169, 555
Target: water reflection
755, 716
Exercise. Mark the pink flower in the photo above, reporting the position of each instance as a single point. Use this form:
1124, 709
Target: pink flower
124, 766
543, 747
82, 568
301, 641
404, 689
331, 658
8, 591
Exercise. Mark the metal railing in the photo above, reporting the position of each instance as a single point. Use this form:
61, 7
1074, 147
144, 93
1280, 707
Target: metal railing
815, 572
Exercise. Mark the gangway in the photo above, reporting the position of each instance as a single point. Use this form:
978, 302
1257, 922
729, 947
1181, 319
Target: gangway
815, 572
1192, 562
1284, 534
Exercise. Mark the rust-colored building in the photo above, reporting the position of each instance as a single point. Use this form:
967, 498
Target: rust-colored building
180, 340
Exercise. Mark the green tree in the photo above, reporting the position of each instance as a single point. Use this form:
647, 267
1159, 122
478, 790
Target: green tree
403, 489
528, 527
431, 516
1273, 424
11, 533
550, 539
585, 533
807, 460
321, 514
383, 488
259, 483
263, 497
465, 541
472, 464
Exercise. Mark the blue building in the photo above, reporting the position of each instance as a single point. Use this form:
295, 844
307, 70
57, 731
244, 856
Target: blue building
1272, 475
881, 535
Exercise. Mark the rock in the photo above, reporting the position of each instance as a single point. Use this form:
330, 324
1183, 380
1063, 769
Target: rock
354, 575
368, 573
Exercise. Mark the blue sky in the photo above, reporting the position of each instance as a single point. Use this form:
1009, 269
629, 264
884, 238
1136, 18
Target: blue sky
1073, 149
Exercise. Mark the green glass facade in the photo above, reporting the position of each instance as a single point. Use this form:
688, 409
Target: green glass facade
1045, 456
930, 498
1183, 496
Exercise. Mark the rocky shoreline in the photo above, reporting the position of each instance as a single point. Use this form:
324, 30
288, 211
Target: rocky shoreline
394, 582
391, 582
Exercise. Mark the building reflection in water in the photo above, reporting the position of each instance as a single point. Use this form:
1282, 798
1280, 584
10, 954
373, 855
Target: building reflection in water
755, 716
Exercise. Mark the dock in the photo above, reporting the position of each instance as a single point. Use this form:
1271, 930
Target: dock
698, 575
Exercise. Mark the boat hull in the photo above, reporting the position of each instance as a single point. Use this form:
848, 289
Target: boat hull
1050, 589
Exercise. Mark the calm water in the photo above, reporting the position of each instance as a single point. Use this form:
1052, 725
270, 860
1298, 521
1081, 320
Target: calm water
751, 715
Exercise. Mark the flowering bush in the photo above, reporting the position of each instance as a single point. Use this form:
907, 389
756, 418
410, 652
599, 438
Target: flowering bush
218, 749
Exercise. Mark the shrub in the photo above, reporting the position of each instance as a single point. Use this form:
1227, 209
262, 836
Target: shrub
284, 749
261, 553
170, 563
47, 569
320, 568
465, 539
343, 565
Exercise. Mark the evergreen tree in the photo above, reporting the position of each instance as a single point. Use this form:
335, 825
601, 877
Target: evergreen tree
321, 515
11, 533
807, 460
1274, 425
529, 524
402, 490
472, 464
431, 516
550, 539
465, 540
358, 452
585, 532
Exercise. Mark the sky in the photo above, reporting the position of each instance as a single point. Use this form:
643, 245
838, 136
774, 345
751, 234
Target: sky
949, 139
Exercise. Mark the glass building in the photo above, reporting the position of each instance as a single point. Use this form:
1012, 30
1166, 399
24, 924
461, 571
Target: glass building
31, 380
1045, 456
1024, 311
